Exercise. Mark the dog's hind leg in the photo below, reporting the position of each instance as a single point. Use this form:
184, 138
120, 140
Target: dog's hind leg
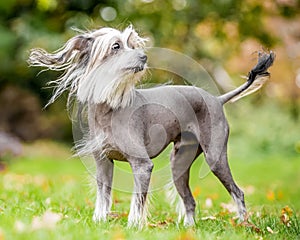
182, 157
216, 157
104, 175
222, 171
142, 169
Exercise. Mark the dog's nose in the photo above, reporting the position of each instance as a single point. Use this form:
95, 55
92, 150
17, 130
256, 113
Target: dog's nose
143, 58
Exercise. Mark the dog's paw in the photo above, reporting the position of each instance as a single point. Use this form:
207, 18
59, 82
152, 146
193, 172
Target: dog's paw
97, 217
189, 221
136, 221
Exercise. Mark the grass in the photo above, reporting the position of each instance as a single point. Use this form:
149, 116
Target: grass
46, 194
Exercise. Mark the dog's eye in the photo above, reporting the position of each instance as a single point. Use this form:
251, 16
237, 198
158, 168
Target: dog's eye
116, 46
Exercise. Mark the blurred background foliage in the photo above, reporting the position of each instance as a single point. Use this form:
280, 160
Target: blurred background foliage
220, 34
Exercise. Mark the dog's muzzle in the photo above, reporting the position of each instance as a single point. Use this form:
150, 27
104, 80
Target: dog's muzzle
142, 59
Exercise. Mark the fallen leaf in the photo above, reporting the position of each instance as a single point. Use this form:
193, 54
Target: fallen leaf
159, 224
285, 219
208, 218
287, 210
117, 215
286, 213
233, 221
48, 220
250, 225
270, 230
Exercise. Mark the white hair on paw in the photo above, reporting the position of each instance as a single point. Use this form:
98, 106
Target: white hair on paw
175, 200
138, 213
102, 206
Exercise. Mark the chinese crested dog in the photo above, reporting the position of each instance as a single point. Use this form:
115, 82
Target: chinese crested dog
101, 69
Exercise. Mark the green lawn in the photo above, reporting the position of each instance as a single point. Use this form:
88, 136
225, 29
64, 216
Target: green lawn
46, 194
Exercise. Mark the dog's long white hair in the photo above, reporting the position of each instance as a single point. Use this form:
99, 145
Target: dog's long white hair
94, 71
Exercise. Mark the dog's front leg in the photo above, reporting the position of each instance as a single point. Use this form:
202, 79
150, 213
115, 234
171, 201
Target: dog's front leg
104, 184
142, 169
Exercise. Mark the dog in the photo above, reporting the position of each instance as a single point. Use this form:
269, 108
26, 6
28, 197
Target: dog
101, 69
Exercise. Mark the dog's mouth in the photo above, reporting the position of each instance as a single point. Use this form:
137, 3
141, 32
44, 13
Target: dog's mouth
136, 69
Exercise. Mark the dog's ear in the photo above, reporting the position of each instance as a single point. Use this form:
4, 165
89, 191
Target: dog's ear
82, 43
133, 39
57, 60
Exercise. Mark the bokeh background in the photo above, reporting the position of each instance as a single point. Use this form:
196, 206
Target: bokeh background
222, 35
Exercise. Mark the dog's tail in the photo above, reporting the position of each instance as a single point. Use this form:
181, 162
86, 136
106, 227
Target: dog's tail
256, 79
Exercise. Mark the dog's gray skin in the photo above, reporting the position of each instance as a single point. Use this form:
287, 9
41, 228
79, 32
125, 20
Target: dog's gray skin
189, 117
133, 125
201, 127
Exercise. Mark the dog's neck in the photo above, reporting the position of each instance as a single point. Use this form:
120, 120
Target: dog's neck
121, 96
118, 92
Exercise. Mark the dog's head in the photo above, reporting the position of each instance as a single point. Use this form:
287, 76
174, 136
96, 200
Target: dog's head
101, 66
124, 50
